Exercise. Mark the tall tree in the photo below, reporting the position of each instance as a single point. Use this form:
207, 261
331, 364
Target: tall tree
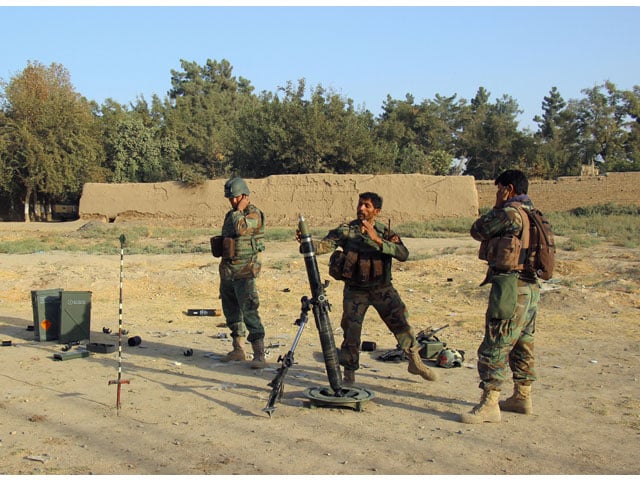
202, 111
632, 145
293, 134
490, 136
424, 136
136, 145
552, 107
554, 130
51, 139
601, 122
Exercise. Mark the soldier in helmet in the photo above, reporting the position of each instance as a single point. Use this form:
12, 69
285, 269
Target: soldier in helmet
369, 247
242, 241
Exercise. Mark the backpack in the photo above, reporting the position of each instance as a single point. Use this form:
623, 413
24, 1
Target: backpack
542, 245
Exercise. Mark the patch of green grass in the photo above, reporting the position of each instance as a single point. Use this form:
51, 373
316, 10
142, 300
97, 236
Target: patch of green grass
588, 226
420, 256
585, 227
436, 228
27, 245
580, 242
281, 234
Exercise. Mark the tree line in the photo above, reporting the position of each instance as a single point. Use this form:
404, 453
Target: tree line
212, 124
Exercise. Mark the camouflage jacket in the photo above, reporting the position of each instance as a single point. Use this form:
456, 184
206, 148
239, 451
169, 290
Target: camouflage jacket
246, 227
349, 238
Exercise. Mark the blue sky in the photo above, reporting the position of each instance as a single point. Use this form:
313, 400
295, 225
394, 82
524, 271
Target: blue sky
361, 52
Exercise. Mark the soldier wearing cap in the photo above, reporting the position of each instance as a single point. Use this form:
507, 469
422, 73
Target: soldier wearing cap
241, 242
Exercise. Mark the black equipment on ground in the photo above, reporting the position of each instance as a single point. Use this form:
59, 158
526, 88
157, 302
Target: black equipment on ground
277, 383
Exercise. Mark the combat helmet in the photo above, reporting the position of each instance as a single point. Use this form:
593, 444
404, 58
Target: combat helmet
449, 357
235, 187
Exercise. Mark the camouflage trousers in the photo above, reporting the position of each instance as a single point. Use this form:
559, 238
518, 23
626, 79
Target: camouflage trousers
509, 341
240, 304
387, 302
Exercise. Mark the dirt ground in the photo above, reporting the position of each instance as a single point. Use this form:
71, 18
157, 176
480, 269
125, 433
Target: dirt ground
195, 415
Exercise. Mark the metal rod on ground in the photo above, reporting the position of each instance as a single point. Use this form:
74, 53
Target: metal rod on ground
120, 381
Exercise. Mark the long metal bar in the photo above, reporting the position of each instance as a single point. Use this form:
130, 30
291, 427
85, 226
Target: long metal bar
120, 381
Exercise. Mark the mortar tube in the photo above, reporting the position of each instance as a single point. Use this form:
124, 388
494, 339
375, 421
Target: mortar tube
320, 307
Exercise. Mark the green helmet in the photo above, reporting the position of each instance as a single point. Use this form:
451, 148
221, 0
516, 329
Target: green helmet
235, 187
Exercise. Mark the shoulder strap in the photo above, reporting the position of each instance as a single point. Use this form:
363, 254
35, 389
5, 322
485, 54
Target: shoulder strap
525, 235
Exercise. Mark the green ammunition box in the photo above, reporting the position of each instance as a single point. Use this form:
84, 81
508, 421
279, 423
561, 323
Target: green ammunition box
46, 314
75, 316
431, 350
70, 355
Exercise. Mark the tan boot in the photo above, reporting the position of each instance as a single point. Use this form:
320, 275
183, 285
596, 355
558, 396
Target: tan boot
348, 378
258, 355
520, 401
417, 367
486, 411
237, 354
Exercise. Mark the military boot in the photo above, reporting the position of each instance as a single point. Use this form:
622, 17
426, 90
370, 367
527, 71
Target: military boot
416, 366
520, 401
258, 354
237, 354
486, 411
348, 377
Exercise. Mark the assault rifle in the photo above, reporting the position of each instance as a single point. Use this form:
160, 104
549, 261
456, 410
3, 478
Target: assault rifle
430, 334
277, 383
430, 344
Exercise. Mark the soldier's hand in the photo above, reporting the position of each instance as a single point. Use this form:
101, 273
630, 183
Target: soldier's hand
242, 204
298, 235
367, 227
502, 195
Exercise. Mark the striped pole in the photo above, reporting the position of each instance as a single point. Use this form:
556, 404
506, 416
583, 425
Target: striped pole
120, 381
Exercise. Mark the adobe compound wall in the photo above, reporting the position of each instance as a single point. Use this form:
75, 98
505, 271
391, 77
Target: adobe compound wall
324, 200
567, 193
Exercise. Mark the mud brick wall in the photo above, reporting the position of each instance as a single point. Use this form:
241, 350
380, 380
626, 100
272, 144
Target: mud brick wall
324, 200
567, 193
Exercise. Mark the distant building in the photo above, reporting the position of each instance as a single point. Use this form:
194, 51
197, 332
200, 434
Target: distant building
589, 171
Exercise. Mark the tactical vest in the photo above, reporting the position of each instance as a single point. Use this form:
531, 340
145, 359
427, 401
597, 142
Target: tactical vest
508, 252
240, 255
365, 264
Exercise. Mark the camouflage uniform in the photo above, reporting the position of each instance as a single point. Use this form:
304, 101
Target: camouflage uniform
238, 272
372, 287
510, 319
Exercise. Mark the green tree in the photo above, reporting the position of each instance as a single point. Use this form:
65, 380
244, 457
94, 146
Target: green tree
600, 129
292, 134
631, 101
551, 120
554, 131
50, 138
490, 137
424, 136
137, 147
202, 113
